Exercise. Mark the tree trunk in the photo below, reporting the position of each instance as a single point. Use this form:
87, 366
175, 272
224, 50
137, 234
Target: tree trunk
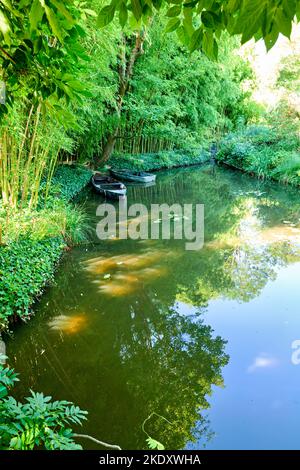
108, 147
126, 70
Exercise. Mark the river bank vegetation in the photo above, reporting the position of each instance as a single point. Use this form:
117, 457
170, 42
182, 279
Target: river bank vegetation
33, 241
269, 149
130, 84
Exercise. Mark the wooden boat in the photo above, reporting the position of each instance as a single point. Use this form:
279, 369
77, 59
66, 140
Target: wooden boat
108, 186
136, 176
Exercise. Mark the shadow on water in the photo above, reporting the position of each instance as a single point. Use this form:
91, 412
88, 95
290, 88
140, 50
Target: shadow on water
122, 333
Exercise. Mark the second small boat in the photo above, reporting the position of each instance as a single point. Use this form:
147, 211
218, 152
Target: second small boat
136, 176
108, 186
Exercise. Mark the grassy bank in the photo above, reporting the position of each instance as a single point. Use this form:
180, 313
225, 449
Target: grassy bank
159, 161
32, 243
267, 152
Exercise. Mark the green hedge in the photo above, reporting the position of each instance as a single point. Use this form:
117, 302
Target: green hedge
157, 161
25, 268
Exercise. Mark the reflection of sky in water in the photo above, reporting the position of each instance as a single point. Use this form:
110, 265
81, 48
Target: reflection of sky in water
259, 407
252, 231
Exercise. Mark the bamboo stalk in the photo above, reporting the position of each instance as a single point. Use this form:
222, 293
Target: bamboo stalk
26, 179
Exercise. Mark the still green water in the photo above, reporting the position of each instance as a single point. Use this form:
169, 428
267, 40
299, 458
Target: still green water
202, 338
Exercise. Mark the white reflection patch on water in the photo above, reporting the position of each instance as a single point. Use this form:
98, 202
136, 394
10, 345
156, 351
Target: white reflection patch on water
263, 361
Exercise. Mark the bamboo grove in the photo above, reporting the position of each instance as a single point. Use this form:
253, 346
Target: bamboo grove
82, 84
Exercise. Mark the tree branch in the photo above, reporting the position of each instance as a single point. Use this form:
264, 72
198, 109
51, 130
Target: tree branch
101, 443
7, 55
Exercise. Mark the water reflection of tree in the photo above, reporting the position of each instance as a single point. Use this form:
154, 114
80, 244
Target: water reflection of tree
138, 354
171, 363
228, 265
148, 358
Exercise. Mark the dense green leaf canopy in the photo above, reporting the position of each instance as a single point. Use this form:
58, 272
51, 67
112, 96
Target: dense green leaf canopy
40, 43
199, 23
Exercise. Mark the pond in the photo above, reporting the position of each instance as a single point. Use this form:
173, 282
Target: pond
202, 338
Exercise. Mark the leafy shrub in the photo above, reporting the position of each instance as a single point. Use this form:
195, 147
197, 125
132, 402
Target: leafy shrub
25, 268
289, 170
235, 153
268, 152
37, 423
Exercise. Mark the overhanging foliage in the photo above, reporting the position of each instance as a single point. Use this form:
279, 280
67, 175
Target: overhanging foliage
199, 23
